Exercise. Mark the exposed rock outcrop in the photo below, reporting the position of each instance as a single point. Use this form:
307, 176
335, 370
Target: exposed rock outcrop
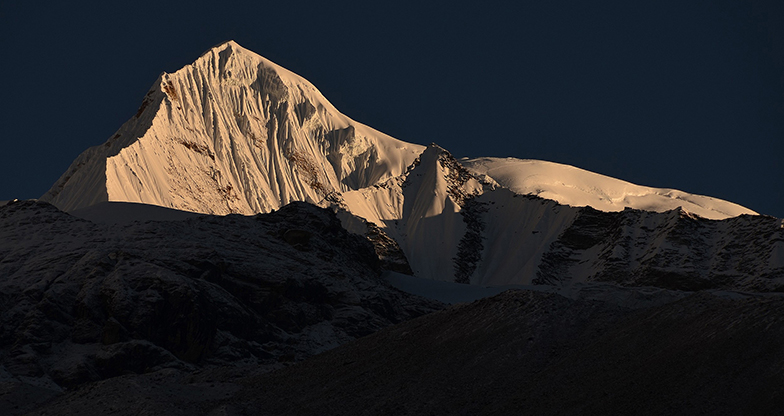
82, 302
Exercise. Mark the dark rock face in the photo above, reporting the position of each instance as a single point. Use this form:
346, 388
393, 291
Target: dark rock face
387, 249
671, 250
457, 175
81, 302
469, 251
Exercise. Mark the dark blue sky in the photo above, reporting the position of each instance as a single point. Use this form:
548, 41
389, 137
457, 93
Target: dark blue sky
686, 95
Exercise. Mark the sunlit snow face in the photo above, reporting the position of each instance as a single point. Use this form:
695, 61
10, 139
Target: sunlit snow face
577, 187
232, 133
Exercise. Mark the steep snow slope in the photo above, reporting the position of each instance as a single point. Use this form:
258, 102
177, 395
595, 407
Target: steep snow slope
454, 227
421, 210
231, 133
461, 227
516, 231
577, 187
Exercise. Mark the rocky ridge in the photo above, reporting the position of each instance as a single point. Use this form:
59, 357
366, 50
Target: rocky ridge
82, 302
457, 225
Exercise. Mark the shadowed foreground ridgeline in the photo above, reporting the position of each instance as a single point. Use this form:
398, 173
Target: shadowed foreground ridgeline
83, 302
520, 352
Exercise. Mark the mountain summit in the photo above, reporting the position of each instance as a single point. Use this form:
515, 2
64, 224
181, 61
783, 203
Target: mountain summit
236, 133
231, 133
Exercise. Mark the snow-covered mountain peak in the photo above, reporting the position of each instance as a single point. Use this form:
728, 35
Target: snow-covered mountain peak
232, 132
438, 182
235, 133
